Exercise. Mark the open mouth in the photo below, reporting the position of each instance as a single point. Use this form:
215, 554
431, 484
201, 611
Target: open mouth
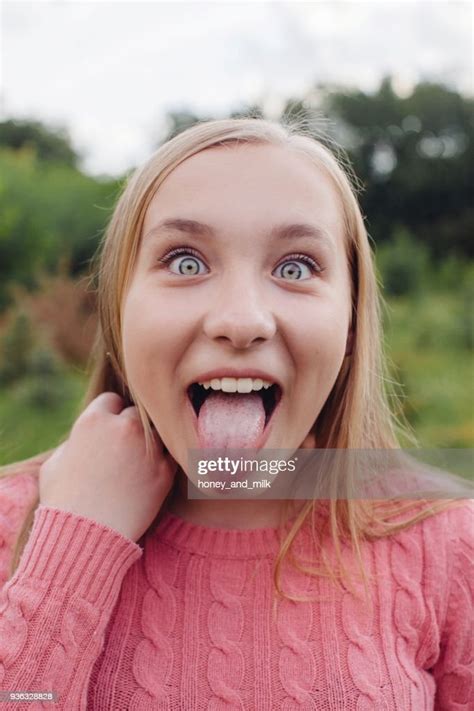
197, 394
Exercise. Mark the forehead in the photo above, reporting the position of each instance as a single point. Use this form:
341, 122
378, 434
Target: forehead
252, 186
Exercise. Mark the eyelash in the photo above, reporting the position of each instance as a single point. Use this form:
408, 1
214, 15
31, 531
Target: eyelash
311, 263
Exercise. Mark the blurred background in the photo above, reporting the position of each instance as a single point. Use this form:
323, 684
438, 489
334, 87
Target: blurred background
89, 89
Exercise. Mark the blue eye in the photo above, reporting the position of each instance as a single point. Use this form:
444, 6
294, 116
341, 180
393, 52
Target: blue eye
189, 260
292, 267
189, 263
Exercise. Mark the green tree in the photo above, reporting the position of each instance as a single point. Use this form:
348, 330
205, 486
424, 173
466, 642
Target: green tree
415, 156
50, 144
48, 211
403, 264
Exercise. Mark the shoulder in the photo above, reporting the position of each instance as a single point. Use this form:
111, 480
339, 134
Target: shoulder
442, 532
451, 528
453, 583
450, 535
456, 539
425, 573
446, 521
18, 493
433, 557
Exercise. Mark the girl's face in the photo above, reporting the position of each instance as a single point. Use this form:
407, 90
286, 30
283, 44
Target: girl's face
240, 294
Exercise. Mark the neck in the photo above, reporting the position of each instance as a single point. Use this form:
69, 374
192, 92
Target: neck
235, 513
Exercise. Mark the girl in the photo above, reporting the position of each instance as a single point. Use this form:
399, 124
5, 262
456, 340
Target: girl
236, 258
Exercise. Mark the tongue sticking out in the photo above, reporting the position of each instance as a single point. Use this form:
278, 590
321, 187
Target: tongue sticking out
228, 420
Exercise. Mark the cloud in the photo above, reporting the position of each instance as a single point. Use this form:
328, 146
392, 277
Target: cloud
111, 70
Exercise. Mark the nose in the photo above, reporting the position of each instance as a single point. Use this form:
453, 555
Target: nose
239, 315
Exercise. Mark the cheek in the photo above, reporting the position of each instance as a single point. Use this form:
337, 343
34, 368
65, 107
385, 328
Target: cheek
319, 336
318, 357
154, 337
143, 332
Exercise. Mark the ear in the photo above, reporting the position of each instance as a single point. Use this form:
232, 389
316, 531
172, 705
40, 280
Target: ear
349, 342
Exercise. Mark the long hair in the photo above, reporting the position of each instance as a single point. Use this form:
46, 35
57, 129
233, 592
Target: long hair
360, 411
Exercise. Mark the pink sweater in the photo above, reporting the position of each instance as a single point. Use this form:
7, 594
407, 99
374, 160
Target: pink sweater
183, 619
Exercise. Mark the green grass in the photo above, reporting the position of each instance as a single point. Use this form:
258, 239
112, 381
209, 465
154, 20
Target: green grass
428, 342
26, 427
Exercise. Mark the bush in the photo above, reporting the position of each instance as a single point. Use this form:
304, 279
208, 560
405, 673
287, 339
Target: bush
403, 264
467, 315
47, 210
16, 347
65, 311
43, 393
43, 387
44, 364
30, 366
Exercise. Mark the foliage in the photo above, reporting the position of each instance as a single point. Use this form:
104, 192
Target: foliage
26, 359
26, 428
64, 312
433, 366
48, 212
49, 144
467, 311
415, 156
15, 348
403, 264
43, 388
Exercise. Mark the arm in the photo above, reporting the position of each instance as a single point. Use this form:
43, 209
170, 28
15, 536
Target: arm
55, 608
454, 671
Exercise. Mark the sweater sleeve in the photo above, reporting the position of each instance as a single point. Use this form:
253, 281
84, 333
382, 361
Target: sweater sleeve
453, 671
56, 606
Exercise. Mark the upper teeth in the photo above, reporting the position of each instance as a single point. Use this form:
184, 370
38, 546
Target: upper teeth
239, 385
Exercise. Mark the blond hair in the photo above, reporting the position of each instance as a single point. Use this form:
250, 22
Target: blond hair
356, 415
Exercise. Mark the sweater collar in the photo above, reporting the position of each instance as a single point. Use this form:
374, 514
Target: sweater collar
206, 541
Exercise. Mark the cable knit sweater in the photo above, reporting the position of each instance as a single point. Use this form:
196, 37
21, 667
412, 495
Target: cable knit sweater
184, 618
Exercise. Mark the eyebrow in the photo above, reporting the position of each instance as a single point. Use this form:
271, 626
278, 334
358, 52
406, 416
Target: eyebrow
283, 232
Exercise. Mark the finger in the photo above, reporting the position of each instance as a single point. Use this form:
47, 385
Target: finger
57, 451
131, 412
107, 402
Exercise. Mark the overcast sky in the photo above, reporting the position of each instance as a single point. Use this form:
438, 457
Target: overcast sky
110, 70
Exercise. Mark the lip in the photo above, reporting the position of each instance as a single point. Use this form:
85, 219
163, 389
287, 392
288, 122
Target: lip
266, 431
237, 373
